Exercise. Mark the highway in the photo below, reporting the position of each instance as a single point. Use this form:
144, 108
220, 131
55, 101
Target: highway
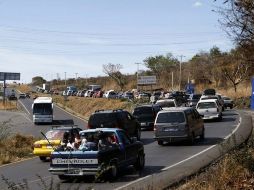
157, 157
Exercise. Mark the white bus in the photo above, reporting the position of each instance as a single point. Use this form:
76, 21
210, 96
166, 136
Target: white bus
42, 110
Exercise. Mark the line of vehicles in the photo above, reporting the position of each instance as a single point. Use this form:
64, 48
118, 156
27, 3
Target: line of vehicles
112, 139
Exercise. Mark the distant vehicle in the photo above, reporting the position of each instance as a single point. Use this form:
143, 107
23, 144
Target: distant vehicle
215, 97
209, 91
28, 95
193, 100
110, 94
54, 138
94, 87
210, 108
144, 96
121, 151
22, 96
180, 123
228, 102
166, 103
42, 110
128, 95
146, 114
12, 97
115, 119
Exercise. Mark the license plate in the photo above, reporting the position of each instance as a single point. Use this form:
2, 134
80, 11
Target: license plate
170, 129
143, 124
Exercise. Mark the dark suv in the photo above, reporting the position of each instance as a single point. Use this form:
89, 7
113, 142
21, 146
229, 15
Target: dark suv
146, 114
115, 119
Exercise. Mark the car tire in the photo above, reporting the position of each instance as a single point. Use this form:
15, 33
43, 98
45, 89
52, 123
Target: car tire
160, 142
192, 138
140, 163
43, 158
231, 107
114, 171
202, 136
138, 134
63, 177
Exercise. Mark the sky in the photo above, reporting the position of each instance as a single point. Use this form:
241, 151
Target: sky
49, 38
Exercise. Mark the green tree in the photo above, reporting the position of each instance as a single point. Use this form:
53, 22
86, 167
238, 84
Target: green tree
38, 80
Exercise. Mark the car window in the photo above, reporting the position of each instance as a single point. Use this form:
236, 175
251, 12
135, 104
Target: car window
124, 138
166, 104
55, 134
205, 105
171, 117
97, 119
142, 110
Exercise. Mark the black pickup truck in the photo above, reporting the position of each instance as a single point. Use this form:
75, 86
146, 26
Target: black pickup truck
95, 156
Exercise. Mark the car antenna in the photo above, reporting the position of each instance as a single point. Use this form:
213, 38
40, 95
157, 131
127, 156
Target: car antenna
49, 142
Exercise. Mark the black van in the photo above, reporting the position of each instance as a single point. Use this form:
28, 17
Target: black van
146, 114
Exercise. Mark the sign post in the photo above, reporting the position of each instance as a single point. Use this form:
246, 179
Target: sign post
252, 94
8, 76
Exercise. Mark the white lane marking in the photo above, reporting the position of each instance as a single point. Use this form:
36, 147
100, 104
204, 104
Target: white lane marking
240, 120
27, 114
178, 163
24, 107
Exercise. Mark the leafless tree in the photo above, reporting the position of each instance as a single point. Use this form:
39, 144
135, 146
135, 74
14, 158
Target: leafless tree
113, 71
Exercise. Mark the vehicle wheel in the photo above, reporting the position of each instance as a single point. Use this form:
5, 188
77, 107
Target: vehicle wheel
140, 163
231, 107
63, 177
43, 158
138, 134
192, 138
160, 142
202, 136
114, 171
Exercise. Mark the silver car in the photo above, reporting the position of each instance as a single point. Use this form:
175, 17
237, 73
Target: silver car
178, 123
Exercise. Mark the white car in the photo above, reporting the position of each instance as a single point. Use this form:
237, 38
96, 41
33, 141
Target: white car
166, 103
110, 94
210, 109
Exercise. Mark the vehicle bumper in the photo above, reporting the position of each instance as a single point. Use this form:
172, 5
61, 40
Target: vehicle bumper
172, 138
146, 125
42, 120
74, 171
210, 117
46, 153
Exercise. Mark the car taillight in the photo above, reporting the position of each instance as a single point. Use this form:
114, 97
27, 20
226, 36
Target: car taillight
37, 146
155, 128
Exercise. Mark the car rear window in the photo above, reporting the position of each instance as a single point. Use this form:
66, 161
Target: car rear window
142, 110
55, 134
97, 119
166, 104
205, 105
171, 117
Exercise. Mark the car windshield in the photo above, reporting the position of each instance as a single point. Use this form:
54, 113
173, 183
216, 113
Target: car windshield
205, 105
42, 109
171, 117
104, 118
55, 134
142, 110
166, 104
226, 98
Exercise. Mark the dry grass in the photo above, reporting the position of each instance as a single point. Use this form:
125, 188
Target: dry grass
23, 88
86, 106
9, 105
15, 148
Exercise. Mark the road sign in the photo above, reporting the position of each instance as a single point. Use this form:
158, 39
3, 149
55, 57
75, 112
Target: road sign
252, 95
9, 76
146, 80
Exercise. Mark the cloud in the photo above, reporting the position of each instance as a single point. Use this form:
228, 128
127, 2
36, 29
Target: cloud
197, 4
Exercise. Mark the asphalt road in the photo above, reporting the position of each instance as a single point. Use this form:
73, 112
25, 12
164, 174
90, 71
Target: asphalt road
157, 157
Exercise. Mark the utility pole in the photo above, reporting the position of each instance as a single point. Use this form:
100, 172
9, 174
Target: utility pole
137, 73
172, 81
65, 78
76, 74
180, 73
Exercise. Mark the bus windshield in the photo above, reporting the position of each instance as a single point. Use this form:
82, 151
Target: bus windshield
43, 109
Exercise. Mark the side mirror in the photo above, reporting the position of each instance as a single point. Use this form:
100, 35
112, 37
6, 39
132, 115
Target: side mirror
133, 139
